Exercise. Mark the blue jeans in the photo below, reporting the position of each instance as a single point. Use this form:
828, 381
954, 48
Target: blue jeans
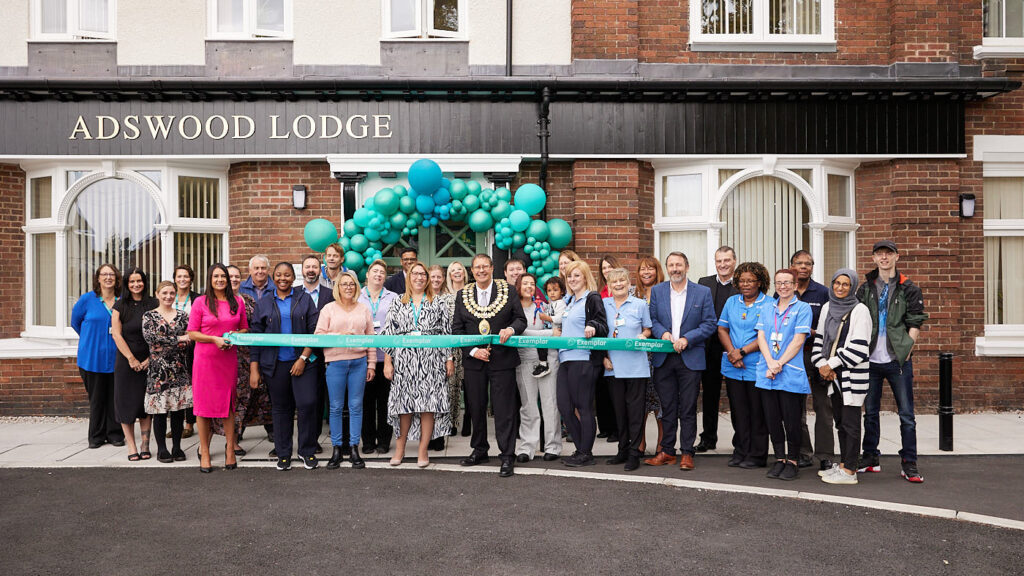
902, 384
346, 376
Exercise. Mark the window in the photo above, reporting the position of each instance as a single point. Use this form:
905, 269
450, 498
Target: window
1004, 251
754, 25
424, 18
1003, 23
246, 19
74, 19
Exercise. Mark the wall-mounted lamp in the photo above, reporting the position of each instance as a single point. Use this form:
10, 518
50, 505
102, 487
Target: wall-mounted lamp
299, 197
967, 205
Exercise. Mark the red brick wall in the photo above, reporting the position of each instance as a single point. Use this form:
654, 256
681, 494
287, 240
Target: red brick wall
12, 250
605, 29
261, 215
42, 387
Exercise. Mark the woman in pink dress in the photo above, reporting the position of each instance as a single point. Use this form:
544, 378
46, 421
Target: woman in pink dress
215, 368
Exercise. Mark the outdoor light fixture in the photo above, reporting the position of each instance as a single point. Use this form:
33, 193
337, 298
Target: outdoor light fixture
967, 205
299, 197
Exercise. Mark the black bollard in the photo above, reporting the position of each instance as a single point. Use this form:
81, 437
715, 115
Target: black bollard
946, 401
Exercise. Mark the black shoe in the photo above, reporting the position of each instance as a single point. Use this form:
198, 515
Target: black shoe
602, 434
789, 472
580, 460
776, 469
369, 448
273, 453
95, 445
824, 464
805, 462
357, 460
541, 370
474, 459
508, 467
735, 461
612, 438
240, 452
383, 449
704, 446
178, 455
869, 463
619, 458
336, 458
310, 462
632, 461
437, 444
319, 449
522, 458
909, 471
231, 466
118, 443
164, 456
284, 464
548, 457
206, 469
750, 464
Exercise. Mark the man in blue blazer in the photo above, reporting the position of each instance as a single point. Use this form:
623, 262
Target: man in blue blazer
683, 313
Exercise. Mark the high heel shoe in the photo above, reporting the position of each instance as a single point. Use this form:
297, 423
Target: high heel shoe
422, 463
234, 464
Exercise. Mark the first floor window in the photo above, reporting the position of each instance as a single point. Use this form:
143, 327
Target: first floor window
1004, 251
231, 19
424, 18
762, 20
1003, 18
74, 19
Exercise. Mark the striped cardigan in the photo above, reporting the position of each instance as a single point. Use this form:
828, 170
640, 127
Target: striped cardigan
851, 360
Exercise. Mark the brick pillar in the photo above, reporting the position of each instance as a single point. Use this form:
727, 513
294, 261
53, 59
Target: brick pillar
12, 239
605, 29
613, 210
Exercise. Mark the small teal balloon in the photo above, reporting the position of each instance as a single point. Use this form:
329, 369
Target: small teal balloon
358, 243
442, 196
351, 228
458, 189
372, 234
486, 196
538, 230
503, 194
354, 260
520, 220
518, 240
400, 190
425, 204
446, 183
472, 188
397, 220
319, 234
407, 205
530, 198
559, 233
386, 202
425, 176
471, 203
501, 209
362, 217
480, 221
368, 203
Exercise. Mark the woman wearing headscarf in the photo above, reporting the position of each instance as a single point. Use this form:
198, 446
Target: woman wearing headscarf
840, 353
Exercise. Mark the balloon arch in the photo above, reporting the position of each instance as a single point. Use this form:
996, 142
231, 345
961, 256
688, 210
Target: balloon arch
396, 212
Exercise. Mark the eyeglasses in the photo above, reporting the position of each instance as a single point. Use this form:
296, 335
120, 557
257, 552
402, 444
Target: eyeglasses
418, 274
785, 283
748, 281
481, 267
408, 259
108, 275
347, 285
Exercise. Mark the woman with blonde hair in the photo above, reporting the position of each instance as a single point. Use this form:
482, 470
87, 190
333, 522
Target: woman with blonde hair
348, 369
168, 380
418, 406
565, 257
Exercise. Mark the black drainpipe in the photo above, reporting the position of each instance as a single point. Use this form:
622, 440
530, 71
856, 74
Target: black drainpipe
543, 122
508, 37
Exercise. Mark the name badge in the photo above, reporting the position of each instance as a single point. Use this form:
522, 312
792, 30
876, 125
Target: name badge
415, 333
776, 337
376, 324
565, 314
620, 322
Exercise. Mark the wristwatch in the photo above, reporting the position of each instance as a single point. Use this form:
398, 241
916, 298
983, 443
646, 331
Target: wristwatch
742, 352
304, 358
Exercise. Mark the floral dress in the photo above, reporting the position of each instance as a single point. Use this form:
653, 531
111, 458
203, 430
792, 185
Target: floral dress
459, 374
253, 406
420, 383
168, 380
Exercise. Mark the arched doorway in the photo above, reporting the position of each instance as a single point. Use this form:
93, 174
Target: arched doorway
765, 220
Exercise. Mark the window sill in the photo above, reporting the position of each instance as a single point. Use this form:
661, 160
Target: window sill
421, 39
1000, 341
16, 348
987, 52
66, 39
755, 46
250, 39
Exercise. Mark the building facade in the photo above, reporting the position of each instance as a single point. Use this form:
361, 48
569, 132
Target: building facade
157, 133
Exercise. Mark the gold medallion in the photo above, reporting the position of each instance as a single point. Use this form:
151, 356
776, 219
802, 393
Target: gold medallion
485, 327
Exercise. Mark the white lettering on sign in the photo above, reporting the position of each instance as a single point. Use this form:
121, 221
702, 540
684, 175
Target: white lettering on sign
239, 127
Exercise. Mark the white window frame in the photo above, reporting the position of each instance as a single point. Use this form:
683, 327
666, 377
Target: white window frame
815, 193
760, 40
424, 28
249, 29
166, 196
998, 47
73, 31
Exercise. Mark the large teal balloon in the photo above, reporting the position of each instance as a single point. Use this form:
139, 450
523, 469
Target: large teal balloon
472, 188
425, 176
519, 220
559, 233
501, 209
353, 260
457, 189
351, 228
393, 235
480, 221
471, 203
407, 205
319, 234
386, 202
538, 230
358, 243
398, 220
503, 194
530, 198
362, 217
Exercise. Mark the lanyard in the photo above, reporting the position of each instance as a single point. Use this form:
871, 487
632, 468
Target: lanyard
184, 303
109, 309
416, 311
775, 320
374, 307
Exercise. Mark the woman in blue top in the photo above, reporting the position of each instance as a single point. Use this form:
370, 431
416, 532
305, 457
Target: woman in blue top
630, 317
96, 353
781, 330
738, 334
584, 317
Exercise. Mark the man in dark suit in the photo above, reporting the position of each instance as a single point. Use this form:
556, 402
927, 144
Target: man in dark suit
396, 282
682, 313
321, 295
485, 307
711, 381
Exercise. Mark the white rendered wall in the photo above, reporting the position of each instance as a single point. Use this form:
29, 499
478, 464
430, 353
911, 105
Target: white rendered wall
541, 30
161, 32
339, 32
14, 30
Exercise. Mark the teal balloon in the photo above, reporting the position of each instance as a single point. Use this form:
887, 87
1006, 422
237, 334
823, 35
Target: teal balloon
530, 198
319, 234
503, 194
372, 234
358, 243
407, 205
393, 235
520, 220
472, 188
458, 189
471, 203
386, 202
538, 230
486, 196
344, 244
559, 233
425, 204
425, 176
362, 217
400, 190
398, 219
502, 209
480, 221
353, 260
518, 240
351, 228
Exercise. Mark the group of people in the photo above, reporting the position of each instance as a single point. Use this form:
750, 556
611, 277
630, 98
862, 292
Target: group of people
152, 359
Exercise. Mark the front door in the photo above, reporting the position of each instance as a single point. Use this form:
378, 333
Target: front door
441, 244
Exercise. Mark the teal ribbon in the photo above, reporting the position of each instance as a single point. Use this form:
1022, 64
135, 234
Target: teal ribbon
447, 341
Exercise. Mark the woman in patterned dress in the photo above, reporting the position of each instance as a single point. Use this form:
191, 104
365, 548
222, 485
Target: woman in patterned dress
649, 273
418, 406
169, 382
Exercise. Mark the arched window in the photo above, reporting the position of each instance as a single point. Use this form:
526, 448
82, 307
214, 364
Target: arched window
766, 220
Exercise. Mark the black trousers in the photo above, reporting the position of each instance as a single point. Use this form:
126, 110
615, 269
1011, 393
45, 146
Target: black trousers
291, 395
782, 415
160, 429
321, 398
711, 389
606, 421
500, 386
848, 425
677, 387
376, 430
575, 390
750, 434
824, 442
102, 426
629, 399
